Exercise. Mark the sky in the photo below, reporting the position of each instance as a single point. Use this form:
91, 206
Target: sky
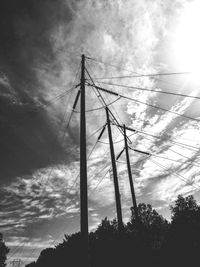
41, 44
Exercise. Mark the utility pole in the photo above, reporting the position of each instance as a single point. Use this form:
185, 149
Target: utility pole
83, 172
115, 179
130, 178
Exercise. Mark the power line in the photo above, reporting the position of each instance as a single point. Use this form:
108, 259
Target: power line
191, 162
150, 154
16, 250
103, 169
108, 64
144, 103
100, 108
57, 97
131, 71
107, 98
95, 188
193, 148
176, 174
150, 90
95, 132
55, 140
160, 165
171, 141
158, 156
116, 142
102, 101
53, 242
142, 75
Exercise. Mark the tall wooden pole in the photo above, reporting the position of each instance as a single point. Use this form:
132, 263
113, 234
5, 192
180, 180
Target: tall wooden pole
83, 171
130, 178
116, 185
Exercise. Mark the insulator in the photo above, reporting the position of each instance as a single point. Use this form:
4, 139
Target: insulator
76, 100
101, 133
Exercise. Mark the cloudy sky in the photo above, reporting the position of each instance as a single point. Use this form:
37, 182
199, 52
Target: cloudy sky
41, 43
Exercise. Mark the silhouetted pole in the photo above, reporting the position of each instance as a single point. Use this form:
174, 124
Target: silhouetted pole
116, 185
130, 177
83, 171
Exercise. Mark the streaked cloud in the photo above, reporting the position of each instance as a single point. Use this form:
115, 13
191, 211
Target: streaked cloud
40, 182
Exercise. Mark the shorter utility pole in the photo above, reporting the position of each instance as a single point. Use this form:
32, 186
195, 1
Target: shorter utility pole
130, 178
115, 179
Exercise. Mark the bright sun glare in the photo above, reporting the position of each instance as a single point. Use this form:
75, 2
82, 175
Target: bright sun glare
187, 39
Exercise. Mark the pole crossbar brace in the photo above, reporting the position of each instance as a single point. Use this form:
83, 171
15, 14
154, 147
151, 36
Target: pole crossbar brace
140, 151
104, 103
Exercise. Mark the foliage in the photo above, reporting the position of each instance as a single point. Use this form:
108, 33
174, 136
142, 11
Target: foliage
151, 241
183, 206
183, 239
3, 252
148, 216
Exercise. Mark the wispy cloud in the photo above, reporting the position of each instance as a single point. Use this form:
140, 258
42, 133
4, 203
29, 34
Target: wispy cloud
41, 190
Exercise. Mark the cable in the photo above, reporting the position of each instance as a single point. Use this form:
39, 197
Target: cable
99, 108
193, 148
95, 132
63, 120
160, 165
102, 99
150, 90
153, 155
164, 109
54, 241
112, 115
105, 173
144, 103
194, 164
106, 97
23, 244
92, 149
102, 169
108, 64
44, 184
176, 174
51, 101
130, 71
116, 142
171, 141
142, 75
94, 189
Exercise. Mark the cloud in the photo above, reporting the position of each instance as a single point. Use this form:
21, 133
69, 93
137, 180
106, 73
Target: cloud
44, 197
29, 77
40, 48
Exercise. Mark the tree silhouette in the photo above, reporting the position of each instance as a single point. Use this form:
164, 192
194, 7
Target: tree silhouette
107, 229
183, 206
3, 251
148, 216
183, 239
152, 242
